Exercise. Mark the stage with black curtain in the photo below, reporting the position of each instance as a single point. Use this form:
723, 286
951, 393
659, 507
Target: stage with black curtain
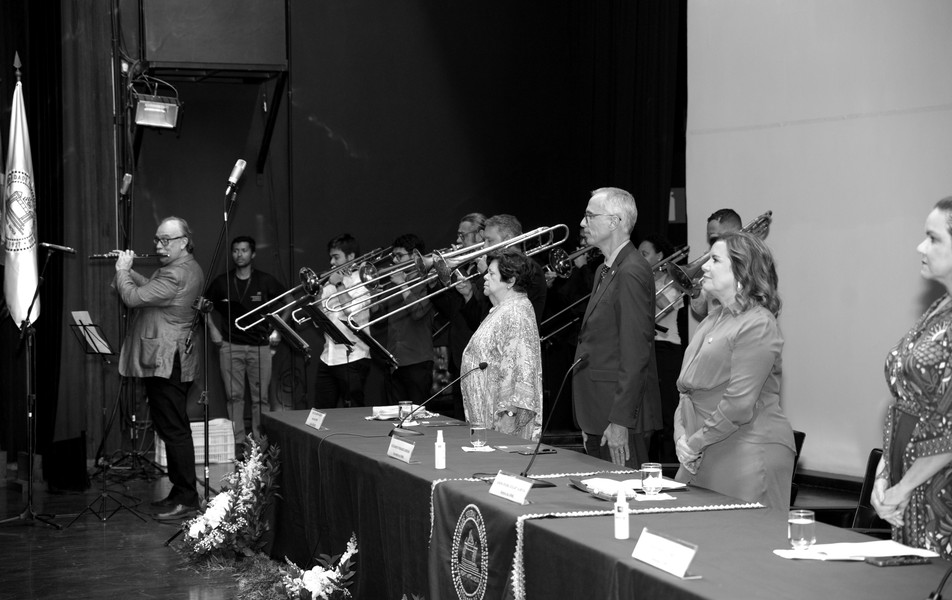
393, 118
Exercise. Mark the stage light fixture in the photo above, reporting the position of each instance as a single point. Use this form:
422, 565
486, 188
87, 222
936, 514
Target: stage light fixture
156, 111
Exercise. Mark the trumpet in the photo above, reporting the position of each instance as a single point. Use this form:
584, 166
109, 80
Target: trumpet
687, 279
115, 255
463, 258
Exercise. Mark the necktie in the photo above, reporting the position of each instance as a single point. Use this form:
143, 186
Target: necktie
601, 276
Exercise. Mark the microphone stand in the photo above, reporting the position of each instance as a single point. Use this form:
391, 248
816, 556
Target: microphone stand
28, 333
937, 594
400, 431
202, 308
535, 453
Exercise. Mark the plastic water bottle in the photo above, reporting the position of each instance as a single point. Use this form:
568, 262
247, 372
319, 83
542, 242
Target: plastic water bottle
621, 516
440, 450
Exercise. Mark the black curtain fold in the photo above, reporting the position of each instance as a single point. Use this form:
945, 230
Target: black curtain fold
547, 101
33, 30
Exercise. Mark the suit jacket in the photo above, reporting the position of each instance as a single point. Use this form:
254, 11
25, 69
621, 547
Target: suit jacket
619, 381
161, 319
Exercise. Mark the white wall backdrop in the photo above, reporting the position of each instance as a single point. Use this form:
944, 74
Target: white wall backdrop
836, 115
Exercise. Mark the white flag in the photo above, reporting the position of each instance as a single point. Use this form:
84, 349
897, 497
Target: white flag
19, 218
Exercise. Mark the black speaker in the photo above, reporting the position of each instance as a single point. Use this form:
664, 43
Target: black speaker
223, 34
64, 466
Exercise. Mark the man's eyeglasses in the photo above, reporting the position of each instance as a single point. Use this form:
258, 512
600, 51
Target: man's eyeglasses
589, 216
165, 241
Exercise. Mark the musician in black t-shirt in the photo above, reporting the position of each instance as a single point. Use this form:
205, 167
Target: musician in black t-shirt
244, 354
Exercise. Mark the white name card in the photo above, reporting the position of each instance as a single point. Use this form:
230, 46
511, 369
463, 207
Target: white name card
315, 418
511, 487
669, 554
400, 449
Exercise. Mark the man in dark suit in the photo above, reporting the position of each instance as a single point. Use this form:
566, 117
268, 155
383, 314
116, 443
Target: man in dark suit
154, 350
615, 390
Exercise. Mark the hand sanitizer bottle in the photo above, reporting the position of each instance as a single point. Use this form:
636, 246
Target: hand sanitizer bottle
440, 450
621, 516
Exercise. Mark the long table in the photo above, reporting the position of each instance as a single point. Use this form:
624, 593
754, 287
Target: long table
419, 529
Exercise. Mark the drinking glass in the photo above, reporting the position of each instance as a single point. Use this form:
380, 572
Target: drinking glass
651, 478
404, 408
477, 435
801, 529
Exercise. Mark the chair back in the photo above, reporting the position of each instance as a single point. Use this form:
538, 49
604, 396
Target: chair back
798, 437
865, 516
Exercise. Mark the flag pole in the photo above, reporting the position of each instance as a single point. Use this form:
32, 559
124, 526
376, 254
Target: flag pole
19, 226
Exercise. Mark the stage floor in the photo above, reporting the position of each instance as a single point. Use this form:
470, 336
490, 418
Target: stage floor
123, 557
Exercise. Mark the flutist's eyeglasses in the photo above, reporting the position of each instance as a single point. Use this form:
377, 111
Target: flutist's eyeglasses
165, 241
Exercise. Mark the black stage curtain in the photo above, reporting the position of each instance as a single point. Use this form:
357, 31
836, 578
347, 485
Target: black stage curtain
400, 117
32, 29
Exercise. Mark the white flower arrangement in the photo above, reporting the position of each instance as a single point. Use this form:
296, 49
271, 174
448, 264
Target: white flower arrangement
324, 580
233, 523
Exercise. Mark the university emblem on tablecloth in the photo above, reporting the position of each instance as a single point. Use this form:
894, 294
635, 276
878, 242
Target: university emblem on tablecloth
470, 560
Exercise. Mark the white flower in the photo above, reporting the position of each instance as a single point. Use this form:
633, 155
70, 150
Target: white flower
318, 581
218, 508
197, 528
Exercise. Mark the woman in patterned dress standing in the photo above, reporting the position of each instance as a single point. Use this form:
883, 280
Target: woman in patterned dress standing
913, 489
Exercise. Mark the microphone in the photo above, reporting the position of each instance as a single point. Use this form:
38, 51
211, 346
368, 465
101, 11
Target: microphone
126, 184
65, 249
236, 173
535, 453
400, 431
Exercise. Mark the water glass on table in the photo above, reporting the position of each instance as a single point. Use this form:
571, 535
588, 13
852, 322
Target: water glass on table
801, 529
651, 478
477, 435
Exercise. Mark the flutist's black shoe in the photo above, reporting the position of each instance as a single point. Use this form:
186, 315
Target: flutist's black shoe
179, 511
166, 502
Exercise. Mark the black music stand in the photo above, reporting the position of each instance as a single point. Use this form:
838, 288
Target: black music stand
375, 346
90, 336
290, 335
323, 323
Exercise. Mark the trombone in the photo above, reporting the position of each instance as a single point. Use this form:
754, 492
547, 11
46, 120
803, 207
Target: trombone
657, 267
370, 277
560, 262
687, 278
311, 284
463, 257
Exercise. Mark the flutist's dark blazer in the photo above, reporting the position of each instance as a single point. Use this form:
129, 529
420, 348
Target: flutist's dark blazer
618, 383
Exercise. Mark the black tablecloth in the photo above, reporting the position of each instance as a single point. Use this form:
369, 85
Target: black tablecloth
340, 480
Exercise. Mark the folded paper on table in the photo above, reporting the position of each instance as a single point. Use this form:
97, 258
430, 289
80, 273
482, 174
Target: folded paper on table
390, 412
475, 449
605, 486
654, 498
854, 551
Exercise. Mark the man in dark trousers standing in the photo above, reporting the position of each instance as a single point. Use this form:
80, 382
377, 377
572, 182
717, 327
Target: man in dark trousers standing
154, 350
615, 388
